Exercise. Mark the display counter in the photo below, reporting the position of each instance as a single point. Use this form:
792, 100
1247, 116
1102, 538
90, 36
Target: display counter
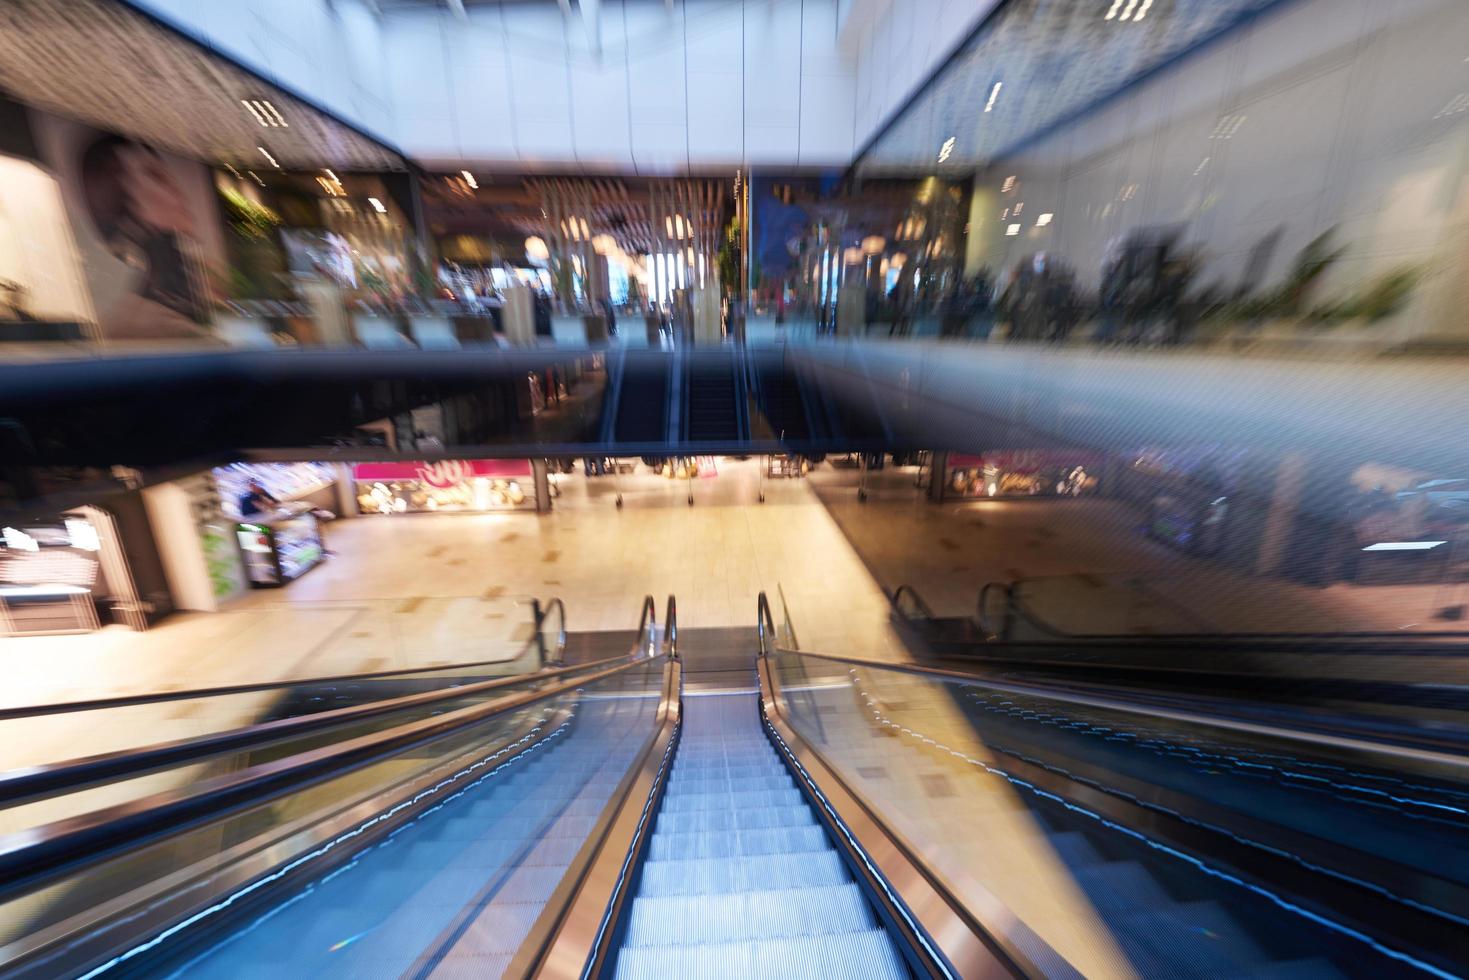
1023, 473
281, 546
55, 608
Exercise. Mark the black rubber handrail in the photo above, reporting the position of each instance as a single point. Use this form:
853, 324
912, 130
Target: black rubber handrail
764, 624
979, 607
923, 607
40, 782
53, 779
670, 628
159, 697
1099, 700
1016, 606
31, 858
542, 614
647, 621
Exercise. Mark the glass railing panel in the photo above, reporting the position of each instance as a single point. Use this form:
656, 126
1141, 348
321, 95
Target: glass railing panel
955, 769
365, 638
543, 800
121, 790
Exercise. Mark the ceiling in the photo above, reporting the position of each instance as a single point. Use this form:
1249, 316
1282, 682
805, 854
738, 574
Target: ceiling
1052, 59
634, 211
109, 65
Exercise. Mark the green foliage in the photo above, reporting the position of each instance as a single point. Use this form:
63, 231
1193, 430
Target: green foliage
1313, 262
1388, 293
256, 264
728, 259
246, 218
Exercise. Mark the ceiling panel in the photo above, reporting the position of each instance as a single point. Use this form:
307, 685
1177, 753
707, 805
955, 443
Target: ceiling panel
109, 65
1051, 60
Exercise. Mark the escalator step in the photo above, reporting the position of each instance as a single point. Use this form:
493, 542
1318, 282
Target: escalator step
859, 954
707, 821
719, 801
1197, 938
730, 784
695, 919
772, 840
709, 876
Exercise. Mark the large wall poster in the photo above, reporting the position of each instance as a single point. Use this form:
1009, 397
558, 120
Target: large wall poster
147, 227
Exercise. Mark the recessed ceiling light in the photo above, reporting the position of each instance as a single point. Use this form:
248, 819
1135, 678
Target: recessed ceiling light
994, 94
947, 150
267, 155
377, 205
1012, 230
469, 179
1044, 220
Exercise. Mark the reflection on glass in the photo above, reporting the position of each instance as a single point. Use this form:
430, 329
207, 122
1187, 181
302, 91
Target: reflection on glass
1042, 817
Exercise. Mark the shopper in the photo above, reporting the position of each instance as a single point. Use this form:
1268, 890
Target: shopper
256, 500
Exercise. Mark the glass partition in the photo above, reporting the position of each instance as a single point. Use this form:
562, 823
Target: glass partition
517, 794
1073, 830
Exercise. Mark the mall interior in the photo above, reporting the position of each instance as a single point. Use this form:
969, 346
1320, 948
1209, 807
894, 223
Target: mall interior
734, 488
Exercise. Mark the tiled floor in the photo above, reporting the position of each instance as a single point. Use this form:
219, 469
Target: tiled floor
420, 590
1088, 567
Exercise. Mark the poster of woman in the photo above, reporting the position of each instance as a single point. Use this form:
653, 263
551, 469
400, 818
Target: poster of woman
146, 226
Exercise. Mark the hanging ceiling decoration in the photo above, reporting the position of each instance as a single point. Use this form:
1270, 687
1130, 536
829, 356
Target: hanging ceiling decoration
113, 67
1033, 64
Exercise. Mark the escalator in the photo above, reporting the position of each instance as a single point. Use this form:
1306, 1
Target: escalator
781, 398
643, 395
721, 804
1398, 686
740, 878
713, 401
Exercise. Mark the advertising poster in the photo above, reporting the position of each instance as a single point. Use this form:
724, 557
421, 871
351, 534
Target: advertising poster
146, 226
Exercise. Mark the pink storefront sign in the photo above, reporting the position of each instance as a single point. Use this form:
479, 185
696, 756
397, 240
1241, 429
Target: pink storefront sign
443, 472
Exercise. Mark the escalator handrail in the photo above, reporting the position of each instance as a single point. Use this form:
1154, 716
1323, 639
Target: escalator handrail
1016, 606
31, 858
542, 614
670, 628
1003, 632
764, 624
944, 935
159, 697
70, 775
1337, 742
647, 623
923, 607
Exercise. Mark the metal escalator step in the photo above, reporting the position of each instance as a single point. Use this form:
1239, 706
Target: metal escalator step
703, 770
498, 928
865, 954
706, 821
711, 876
688, 920
1075, 849
1312, 968
1192, 938
461, 966
722, 801
1121, 886
528, 885
738, 784
770, 840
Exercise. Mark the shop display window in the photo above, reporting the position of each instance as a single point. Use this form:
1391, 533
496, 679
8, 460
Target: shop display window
445, 486
1024, 473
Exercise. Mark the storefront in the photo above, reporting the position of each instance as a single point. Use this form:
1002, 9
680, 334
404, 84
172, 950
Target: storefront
68, 573
1189, 494
445, 486
1023, 473
215, 551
